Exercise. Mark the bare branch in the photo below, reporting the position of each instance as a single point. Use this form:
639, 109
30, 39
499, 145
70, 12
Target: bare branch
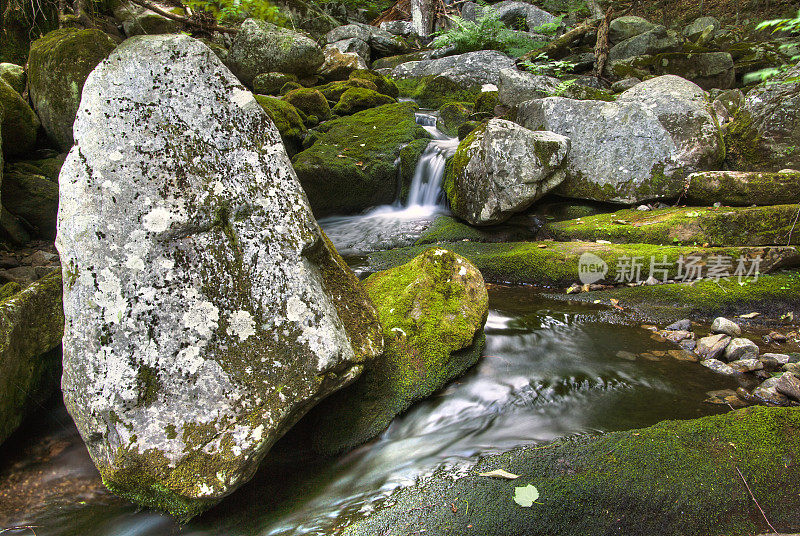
185, 20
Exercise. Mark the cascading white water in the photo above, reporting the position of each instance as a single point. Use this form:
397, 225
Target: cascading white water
399, 224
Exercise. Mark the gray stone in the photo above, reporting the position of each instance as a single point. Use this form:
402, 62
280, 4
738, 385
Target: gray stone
338, 65
719, 367
261, 47
696, 28
636, 149
34, 198
794, 368
676, 336
205, 310
789, 385
706, 69
741, 348
511, 12
469, 70
728, 327
506, 168
137, 20
349, 31
398, 27
746, 365
767, 393
516, 87
712, 347
623, 28
782, 359
353, 45
14, 75
626, 83
680, 325
649, 43
385, 44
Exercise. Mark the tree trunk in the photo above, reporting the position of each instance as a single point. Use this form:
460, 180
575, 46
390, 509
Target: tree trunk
554, 49
423, 16
601, 45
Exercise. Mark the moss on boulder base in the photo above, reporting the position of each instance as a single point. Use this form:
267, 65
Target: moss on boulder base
723, 226
58, 66
287, 120
677, 478
557, 264
357, 99
310, 102
383, 84
436, 91
19, 122
743, 188
432, 310
34, 198
447, 229
351, 165
452, 116
31, 326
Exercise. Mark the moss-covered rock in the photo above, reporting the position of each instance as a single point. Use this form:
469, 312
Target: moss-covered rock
486, 102
14, 75
390, 62
310, 102
383, 84
351, 166
452, 116
290, 86
58, 65
34, 199
724, 226
677, 478
333, 90
445, 229
467, 128
436, 91
357, 99
742, 188
31, 326
19, 122
271, 83
49, 166
706, 69
558, 264
771, 295
432, 310
287, 120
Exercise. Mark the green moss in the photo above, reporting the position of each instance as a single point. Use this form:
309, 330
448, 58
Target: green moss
431, 311
287, 121
771, 295
351, 165
452, 116
458, 162
271, 83
554, 264
290, 86
9, 289
333, 91
486, 102
310, 102
745, 149
19, 123
436, 91
724, 226
753, 188
391, 62
357, 99
677, 478
383, 84
20, 23
446, 229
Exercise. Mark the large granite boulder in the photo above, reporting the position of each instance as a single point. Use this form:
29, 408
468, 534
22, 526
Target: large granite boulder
31, 325
623, 28
206, 311
516, 87
58, 65
765, 133
641, 147
352, 165
432, 310
19, 122
261, 47
500, 169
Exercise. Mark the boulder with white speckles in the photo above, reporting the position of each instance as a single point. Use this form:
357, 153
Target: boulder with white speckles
206, 311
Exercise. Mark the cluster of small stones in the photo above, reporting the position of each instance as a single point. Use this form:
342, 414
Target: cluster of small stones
770, 379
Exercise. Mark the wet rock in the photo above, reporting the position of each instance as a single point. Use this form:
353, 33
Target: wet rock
623, 28
767, 393
789, 385
338, 64
676, 336
777, 337
635, 149
746, 365
31, 325
719, 367
728, 327
713, 346
432, 310
683, 355
502, 168
725, 397
680, 325
689, 345
781, 359
794, 368
34, 199
205, 309
740, 188
765, 135
741, 348
261, 47
58, 66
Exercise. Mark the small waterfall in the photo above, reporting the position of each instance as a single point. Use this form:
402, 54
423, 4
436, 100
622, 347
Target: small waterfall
426, 185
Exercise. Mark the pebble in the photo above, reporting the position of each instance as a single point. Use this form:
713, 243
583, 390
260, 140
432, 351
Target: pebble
728, 327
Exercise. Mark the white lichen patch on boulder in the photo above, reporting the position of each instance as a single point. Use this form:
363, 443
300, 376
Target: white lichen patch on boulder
205, 310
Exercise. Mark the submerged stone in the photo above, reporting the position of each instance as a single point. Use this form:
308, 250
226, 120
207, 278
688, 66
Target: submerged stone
206, 311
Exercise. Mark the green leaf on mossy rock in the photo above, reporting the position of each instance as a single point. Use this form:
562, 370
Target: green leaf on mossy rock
526, 495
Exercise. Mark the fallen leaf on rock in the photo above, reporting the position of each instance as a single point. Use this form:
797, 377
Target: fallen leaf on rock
750, 315
526, 495
499, 473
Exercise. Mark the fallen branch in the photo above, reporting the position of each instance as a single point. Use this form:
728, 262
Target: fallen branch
755, 501
188, 21
559, 45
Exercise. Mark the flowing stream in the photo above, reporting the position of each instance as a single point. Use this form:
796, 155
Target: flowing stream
550, 369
